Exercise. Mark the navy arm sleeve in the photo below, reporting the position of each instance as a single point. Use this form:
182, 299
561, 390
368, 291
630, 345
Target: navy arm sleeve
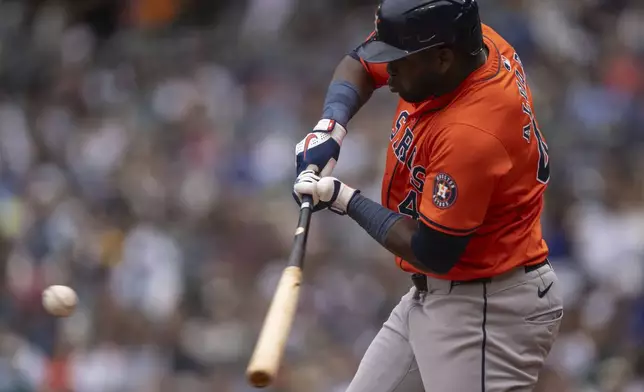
438, 251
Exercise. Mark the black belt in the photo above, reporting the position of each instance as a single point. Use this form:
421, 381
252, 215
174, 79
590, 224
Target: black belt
534, 267
420, 280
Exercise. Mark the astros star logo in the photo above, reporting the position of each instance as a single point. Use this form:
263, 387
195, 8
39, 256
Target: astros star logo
445, 191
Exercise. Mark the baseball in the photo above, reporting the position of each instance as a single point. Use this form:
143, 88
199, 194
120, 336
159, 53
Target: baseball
59, 301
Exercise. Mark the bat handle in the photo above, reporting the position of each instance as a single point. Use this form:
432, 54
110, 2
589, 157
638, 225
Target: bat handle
307, 199
296, 258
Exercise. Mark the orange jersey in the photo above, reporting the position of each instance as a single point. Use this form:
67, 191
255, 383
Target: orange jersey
473, 162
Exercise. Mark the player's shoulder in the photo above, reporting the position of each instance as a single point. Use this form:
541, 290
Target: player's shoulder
492, 83
491, 103
494, 36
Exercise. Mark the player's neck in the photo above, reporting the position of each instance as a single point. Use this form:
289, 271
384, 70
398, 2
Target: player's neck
468, 68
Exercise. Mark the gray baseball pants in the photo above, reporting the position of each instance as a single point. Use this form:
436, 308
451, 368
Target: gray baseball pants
490, 336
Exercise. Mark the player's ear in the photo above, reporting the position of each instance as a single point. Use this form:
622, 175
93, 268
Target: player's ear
445, 59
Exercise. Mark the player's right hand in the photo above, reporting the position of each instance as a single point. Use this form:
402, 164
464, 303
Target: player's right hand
326, 192
320, 148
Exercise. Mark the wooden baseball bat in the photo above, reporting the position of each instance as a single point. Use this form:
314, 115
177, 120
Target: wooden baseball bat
267, 356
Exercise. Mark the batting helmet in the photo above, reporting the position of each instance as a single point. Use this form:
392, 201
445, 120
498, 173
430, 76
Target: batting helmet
404, 27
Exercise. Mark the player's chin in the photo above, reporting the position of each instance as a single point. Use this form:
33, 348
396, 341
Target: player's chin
405, 96
410, 96
403, 93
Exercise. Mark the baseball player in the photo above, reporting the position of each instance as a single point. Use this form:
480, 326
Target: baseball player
462, 196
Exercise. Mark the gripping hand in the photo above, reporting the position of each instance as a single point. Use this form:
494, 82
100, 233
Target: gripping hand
327, 192
320, 148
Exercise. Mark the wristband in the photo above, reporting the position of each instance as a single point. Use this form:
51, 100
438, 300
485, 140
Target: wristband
342, 102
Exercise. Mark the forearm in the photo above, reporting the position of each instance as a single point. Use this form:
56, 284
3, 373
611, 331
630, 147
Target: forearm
399, 241
393, 231
350, 88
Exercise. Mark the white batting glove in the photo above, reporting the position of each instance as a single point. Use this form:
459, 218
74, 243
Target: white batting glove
320, 148
305, 184
327, 192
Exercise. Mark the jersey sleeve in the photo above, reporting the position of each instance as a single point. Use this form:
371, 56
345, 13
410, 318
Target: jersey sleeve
378, 71
462, 170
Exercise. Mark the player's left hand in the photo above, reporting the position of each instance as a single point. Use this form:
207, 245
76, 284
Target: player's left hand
327, 192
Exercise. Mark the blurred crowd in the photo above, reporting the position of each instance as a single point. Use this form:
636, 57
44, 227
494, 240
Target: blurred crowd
146, 160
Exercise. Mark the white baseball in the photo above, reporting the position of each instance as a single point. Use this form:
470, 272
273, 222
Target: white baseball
59, 301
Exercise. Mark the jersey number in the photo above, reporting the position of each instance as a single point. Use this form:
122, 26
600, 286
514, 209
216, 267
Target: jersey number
543, 168
409, 206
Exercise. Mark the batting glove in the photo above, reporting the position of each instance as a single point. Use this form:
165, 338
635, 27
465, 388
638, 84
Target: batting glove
320, 148
327, 192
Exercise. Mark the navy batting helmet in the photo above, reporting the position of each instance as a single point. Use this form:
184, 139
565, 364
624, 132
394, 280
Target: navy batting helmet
404, 27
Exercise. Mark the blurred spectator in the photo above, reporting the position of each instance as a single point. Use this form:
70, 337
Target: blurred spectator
146, 160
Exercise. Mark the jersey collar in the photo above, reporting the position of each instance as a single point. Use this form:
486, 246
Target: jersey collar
485, 72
